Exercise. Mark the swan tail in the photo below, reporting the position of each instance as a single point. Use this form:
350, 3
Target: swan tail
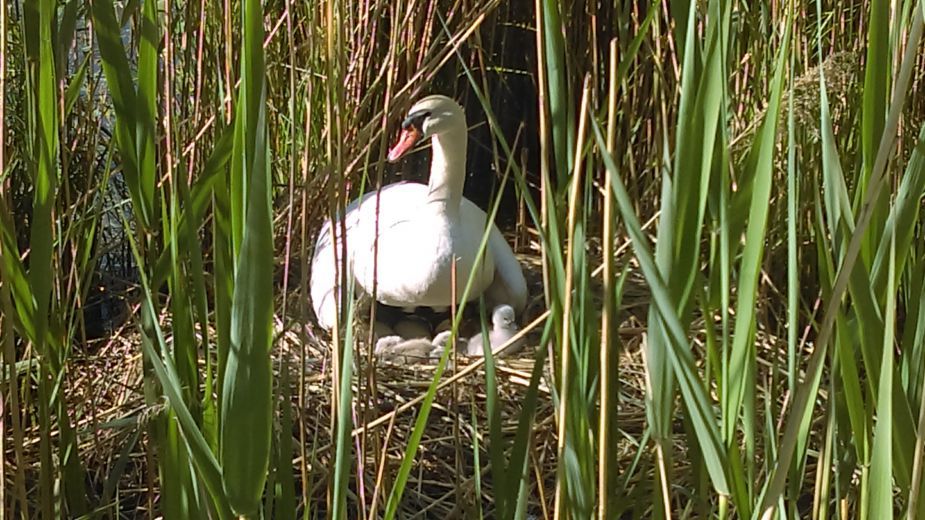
325, 275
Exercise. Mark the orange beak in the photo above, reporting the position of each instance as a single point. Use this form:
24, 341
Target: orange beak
406, 140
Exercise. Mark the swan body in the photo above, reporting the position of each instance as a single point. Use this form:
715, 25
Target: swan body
419, 241
420, 229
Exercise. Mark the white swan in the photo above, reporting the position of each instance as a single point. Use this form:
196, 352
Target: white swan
421, 230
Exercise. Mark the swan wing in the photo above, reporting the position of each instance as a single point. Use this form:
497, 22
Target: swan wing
509, 285
325, 274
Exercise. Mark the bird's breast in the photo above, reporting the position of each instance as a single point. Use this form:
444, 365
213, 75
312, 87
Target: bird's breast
415, 259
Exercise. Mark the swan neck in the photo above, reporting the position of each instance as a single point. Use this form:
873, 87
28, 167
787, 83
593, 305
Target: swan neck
448, 168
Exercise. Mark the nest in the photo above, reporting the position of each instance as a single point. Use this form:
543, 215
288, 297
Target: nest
442, 482
113, 422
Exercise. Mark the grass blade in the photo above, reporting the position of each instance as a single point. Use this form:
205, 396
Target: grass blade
246, 402
881, 462
873, 116
560, 110
116, 68
741, 376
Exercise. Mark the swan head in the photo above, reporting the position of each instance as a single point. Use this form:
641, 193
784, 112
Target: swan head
428, 117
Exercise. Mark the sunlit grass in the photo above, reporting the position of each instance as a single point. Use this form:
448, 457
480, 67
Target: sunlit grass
761, 181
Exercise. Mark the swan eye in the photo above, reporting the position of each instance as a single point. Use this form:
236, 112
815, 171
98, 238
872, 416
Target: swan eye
415, 119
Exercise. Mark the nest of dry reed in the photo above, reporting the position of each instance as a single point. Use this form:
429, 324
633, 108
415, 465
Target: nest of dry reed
113, 422
442, 482
387, 400
106, 395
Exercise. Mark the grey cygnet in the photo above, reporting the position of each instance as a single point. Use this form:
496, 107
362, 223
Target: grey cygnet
503, 328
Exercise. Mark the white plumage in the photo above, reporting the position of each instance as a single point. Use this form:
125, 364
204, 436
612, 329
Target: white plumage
421, 230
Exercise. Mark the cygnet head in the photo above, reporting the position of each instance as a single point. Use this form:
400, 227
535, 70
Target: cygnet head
503, 318
428, 117
385, 343
441, 340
